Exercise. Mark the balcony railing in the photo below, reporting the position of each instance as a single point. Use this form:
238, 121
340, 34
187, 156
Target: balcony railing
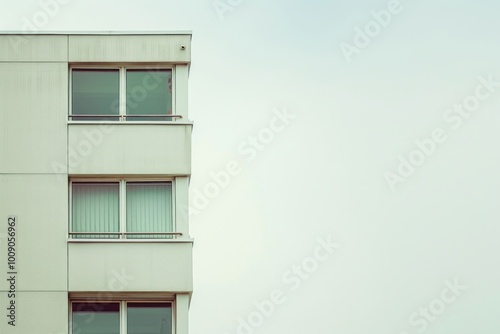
123, 235
120, 117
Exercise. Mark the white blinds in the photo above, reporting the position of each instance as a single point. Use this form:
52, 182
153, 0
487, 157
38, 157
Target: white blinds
95, 208
149, 208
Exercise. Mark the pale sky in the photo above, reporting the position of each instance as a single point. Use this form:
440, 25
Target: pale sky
368, 151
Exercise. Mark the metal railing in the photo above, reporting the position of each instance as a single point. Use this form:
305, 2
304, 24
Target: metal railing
124, 234
123, 117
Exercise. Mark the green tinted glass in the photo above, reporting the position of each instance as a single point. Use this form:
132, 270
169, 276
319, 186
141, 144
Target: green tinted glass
95, 318
95, 92
149, 318
149, 92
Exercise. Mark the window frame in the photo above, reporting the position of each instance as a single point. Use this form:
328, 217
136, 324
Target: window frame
122, 310
122, 207
122, 89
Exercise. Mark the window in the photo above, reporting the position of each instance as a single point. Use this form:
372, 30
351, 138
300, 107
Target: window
121, 93
121, 209
121, 317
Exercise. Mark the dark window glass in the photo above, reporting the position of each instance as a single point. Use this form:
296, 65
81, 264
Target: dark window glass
149, 318
149, 92
95, 318
95, 92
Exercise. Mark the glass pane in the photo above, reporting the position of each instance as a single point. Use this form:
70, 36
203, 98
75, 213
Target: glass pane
95, 208
149, 92
95, 318
149, 318
149, 208
95, 92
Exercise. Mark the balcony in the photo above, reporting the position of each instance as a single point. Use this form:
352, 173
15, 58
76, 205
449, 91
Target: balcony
130, 266
133, 148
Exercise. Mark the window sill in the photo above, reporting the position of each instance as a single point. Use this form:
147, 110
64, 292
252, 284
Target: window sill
146, 241
132, 122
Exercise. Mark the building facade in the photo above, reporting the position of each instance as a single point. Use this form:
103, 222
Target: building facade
95, 161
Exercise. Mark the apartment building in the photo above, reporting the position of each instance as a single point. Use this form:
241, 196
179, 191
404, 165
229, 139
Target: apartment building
95, 161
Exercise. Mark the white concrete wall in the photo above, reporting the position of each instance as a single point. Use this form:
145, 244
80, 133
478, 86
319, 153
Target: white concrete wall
182, 206
134, 149
181, 91
181, 311
38, 312
33, 105
33, 128
135, 48
130, 266
37, 148
30, 48
40, 203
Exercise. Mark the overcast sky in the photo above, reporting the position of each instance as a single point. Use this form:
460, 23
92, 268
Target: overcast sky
356, 148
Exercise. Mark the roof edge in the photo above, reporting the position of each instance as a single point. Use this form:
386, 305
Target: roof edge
155, 32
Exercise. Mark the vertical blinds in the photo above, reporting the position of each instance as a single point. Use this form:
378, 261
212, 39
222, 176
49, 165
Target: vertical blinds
149, 208
96, 208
